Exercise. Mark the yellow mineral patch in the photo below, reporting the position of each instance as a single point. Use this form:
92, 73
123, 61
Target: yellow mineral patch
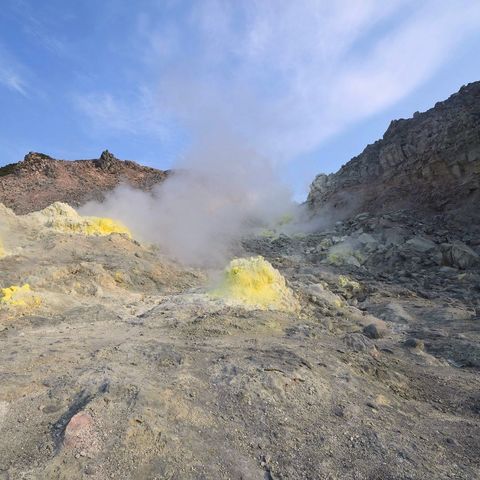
64, 218
104, 226
285, 219
253, 282
349, 284
119, 277
19, 297
382, 400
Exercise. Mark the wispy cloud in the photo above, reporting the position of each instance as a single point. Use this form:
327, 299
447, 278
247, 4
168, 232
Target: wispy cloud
137, 116
316, 67
286, 75
40, 24
12, 73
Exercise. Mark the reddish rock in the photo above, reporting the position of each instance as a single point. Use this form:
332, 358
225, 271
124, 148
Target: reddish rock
76, 182
79, 430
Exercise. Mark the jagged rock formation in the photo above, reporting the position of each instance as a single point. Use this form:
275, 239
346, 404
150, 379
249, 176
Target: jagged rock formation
48, 180
429, 163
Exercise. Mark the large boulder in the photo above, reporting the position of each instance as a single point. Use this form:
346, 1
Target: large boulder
459, 255
421, 244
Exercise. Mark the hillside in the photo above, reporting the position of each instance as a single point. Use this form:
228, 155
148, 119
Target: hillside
428, 164
48, 180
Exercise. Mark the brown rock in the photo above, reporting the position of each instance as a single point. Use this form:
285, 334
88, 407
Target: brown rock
48, 180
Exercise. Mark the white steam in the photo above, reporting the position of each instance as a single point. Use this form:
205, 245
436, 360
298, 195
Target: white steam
249, 77
219, 191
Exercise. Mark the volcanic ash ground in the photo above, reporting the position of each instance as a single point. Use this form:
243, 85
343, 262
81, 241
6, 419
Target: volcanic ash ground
312, 356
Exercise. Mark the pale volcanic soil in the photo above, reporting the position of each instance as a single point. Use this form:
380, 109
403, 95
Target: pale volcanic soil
120, 364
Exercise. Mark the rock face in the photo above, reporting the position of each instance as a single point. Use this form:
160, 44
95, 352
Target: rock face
428, 163
48, 180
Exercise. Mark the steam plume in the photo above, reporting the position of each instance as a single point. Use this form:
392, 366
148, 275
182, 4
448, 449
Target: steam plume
220, 190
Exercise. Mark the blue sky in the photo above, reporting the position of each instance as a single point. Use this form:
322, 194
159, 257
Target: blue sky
307, 83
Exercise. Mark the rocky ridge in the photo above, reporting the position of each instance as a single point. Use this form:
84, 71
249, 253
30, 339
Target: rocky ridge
429, 163
48, 180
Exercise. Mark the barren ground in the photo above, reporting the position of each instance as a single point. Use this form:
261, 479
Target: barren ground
129, 370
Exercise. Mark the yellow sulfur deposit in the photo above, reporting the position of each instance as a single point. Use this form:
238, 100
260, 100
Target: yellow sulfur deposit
16, 296
255, 283
348, 284
103, 226
64, 218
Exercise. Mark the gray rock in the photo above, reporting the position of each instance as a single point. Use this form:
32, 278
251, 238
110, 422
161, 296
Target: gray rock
393, 312
372, 331
415, 343
358, 342
322, 296
421, 244
366, 238
448, 270
459, 255
324, 244
344, 253
368, 243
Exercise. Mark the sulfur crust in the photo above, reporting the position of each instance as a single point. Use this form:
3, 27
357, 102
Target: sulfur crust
348, 283
253, 282
64, 218
19, 296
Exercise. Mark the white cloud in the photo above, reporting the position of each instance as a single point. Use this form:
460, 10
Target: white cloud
12, 80
138, 116
290, 74
40, 23
12, 73
285, 75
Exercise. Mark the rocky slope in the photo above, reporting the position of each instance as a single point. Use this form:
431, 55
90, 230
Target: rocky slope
48, 180
115, 362
428, 163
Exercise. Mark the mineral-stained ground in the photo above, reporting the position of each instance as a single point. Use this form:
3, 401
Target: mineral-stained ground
350, 353
122, 364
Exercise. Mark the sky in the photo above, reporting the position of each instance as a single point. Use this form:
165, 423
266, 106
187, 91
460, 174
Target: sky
307, 84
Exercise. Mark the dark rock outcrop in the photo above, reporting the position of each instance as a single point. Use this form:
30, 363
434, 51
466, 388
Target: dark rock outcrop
40, 180
108, 162
429, 163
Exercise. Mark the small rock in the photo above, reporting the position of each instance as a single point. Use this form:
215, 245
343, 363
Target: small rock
394, 312
451, 441
89, 470
372, 331
358, 342
448, 270
322, 296
78, 430
366, 238
415, 343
